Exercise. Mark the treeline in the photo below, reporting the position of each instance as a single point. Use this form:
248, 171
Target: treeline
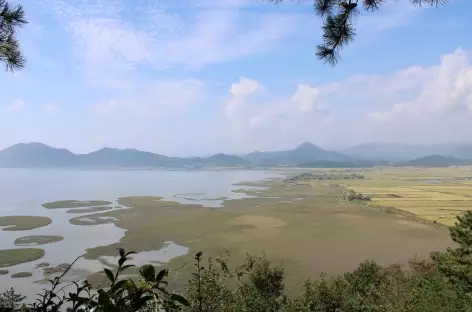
325, 176
443, 283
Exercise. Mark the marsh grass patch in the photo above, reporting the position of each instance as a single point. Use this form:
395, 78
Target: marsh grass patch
22, 275
35, 240
10, 257
302, 225
63, 204
23, 223
89, 209
136, 201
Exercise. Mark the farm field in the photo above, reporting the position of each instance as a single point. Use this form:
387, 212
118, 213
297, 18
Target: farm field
433, 194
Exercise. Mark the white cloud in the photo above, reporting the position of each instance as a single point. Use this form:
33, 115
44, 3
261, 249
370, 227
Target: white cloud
114, 37
239, 92
259, 123
417, 105
445, 90
305, 97
17, 104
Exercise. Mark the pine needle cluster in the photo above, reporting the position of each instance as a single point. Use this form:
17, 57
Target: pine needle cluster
339, 20
11, 18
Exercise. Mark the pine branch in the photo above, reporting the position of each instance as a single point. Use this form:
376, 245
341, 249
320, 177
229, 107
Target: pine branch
433, 3
338, 31
339, 22
10, 55
324, 7
372, 5
11, 18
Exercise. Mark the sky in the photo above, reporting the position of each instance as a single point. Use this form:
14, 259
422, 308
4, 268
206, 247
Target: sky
195, 77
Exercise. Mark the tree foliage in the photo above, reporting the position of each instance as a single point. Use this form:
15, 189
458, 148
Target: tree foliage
11, 300
11, 18
456, 263
339, 21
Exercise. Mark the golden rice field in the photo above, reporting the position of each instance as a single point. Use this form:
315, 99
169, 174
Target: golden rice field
433, 194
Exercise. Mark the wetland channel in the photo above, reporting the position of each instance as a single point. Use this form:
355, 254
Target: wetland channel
167, 216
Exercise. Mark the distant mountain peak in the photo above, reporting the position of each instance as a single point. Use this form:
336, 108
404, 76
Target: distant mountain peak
31, 145
306, 145
35, 146
30, 155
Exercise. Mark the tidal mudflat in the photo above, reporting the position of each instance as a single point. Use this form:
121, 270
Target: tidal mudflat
309, 228
62, 196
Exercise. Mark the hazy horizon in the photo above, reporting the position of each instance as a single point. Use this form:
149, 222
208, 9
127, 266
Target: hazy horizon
197, 78
207, 154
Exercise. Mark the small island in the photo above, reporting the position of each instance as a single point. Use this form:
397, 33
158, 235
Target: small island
10, 257
35, 240
21, 274
23, 223
63, 204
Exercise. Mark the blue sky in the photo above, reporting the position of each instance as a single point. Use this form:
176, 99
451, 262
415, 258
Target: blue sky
195, 77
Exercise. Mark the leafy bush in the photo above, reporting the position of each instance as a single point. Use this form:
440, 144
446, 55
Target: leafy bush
120, 295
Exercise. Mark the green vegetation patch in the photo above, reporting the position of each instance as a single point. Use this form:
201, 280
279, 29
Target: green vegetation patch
10, 257
89, 210
3, 272
94, 219
22, 274
37, 240
132, 201
61, 204
23, 223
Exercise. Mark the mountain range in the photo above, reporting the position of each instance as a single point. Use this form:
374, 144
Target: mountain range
403, 152
31, 155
